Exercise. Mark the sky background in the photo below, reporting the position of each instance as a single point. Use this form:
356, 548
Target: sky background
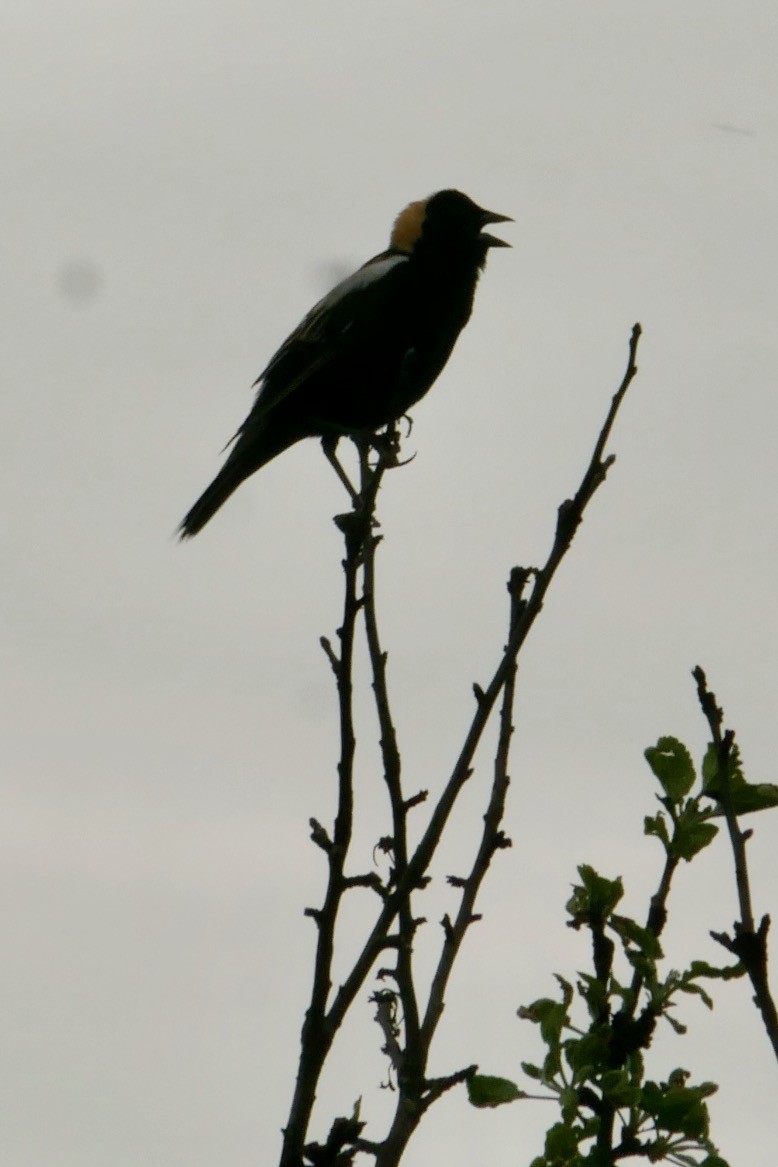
179, 183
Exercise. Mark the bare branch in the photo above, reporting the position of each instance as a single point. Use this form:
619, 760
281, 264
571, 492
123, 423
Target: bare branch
317, 1035
527, 588
370, 880
330, 653
320, 836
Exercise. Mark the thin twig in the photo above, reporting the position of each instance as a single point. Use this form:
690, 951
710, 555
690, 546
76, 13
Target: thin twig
492, 838
317, 1035
409, 1071
417, 1093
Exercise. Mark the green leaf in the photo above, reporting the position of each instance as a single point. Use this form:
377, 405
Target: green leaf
672, 764
706, 1089
727, 972
552, 1023
744, 797
711, 777
569, 1103
549, 1015
678, 1109
618, 1089
485, 1090
657, 825
588, 1054
594, 993
642, 938
567, 990
595, 897
532, 1071
748, 798
692, 832
552, 1063
561, 1143
691, 987
643, 965
710, 766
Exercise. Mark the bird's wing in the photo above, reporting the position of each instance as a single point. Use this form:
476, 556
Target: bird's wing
355, 310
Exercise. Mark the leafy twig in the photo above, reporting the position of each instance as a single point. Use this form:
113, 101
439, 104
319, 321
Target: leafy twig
748, 943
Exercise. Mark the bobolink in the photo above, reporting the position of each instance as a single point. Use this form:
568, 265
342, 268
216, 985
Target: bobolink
371, 348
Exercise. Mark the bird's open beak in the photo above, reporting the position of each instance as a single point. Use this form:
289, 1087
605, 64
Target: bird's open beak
493, 217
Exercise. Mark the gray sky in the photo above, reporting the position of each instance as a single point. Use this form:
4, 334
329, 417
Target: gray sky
179, 182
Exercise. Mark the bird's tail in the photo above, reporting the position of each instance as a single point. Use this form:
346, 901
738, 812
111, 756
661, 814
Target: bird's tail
213, 497
252, 451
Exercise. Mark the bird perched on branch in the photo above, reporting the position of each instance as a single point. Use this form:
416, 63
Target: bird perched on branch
371, 348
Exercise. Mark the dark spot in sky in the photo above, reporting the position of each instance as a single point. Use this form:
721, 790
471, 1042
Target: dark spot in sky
732, 129
79, 281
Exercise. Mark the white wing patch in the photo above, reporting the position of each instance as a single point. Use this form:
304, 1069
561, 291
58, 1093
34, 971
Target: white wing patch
326, 319
370, 273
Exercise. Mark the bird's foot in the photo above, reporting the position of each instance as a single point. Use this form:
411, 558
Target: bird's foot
387, 445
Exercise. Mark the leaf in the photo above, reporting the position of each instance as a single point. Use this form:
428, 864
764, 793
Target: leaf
595, 897
657, 825
618, 1089
678, 1109
691, 987
711, 776
567, 990
748, 798
486, 1090
727, 972
672, 764
588, 1054
561, 1143
549, 1015
692, 832
710, 766
642, 938
744, 797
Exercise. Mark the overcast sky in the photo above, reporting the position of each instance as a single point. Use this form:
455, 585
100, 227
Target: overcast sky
180, 182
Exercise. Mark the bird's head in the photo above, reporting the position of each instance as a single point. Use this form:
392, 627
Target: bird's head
447, 223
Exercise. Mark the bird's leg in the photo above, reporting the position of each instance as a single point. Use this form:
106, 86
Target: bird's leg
329, 445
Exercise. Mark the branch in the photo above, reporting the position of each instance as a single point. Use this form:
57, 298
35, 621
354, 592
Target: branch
492, 838
523, 612
748, 944
407, 1064
324, 1016
420, 860
317, 1034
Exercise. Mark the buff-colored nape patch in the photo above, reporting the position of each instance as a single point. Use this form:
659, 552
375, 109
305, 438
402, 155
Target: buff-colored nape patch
407, 227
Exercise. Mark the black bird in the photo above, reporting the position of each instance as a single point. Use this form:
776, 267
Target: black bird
371, 348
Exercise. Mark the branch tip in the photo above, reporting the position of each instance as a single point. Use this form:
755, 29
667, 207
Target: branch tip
319, 835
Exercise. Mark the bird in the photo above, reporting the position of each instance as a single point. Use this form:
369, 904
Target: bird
369, 349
